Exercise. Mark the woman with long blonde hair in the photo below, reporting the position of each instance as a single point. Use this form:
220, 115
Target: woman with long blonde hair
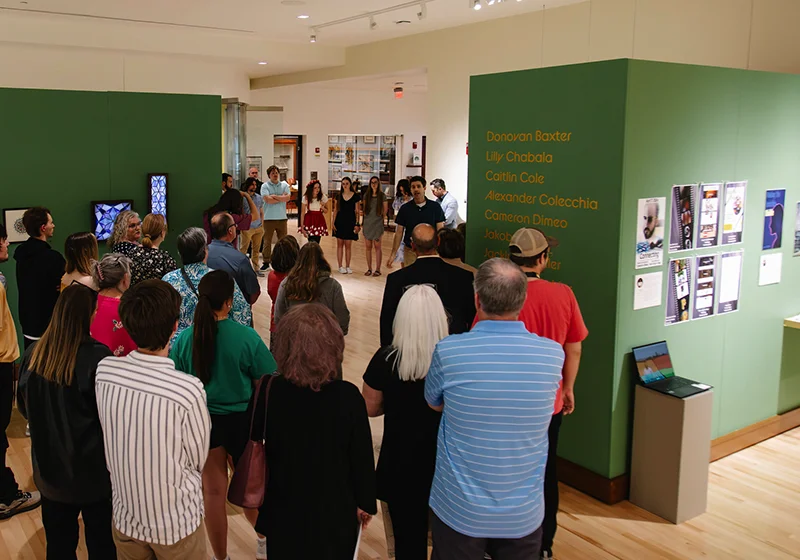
151, 261
375, 209
126, 234
56, 391
394, 386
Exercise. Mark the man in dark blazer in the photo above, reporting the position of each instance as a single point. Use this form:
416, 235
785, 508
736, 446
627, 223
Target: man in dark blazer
453, 284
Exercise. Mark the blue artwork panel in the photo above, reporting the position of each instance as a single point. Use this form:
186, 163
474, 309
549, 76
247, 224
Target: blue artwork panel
104, 215
158, 194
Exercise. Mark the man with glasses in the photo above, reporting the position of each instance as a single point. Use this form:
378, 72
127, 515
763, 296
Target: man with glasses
222, 255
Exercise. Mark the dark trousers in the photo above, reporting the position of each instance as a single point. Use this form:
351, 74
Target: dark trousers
550, 523
410, 526
8, 484
61, 529
452, 545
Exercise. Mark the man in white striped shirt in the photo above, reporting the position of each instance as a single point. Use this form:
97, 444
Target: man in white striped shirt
496, 386
156, 431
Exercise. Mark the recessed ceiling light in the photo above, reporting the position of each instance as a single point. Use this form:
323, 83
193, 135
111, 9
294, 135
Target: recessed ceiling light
303, 16
262, 63
402, 22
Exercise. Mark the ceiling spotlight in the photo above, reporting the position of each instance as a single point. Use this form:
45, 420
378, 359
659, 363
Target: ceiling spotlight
476, 4
313, 35
372, 24
262, 63
423, 11
489, 2
303, 16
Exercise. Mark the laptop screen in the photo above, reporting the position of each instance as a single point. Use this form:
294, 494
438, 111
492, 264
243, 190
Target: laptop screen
653, 362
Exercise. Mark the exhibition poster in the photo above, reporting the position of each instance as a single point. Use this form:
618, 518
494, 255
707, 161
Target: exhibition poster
650, 232
733, 225
647, 290
730, 277
773, 219
681, 229
797, 231
709, 215
679, 287
705, 272
769, 272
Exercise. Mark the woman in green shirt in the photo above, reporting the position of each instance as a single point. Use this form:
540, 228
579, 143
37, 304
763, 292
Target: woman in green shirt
228, 358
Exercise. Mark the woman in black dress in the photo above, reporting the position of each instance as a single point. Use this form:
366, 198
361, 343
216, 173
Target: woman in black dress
345, 223
394, 385
321, 484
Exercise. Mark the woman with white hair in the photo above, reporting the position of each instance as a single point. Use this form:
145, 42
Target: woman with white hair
394, 385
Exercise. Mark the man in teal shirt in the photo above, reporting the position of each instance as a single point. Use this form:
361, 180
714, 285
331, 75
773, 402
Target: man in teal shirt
276, 194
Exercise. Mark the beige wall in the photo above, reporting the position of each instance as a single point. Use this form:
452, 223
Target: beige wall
755, 34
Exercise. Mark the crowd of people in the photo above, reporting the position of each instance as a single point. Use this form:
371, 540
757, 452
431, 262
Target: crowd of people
139, 380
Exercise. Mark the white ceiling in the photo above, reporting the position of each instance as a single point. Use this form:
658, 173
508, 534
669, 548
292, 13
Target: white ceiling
244, 30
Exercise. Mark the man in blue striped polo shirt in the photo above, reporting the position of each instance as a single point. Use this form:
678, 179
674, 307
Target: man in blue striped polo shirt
496, 385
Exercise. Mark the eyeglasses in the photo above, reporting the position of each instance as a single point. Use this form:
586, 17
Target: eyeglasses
134, 225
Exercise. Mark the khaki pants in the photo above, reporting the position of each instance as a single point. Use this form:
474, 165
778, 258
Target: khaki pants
193, 546
409, 256
255, 236
270, 227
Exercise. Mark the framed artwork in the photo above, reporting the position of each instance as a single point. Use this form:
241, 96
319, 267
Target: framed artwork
104, 212
157, 193
388, 140
12, 218
369, 139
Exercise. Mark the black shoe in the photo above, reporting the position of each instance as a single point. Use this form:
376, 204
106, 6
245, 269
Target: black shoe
265, 266
23, 501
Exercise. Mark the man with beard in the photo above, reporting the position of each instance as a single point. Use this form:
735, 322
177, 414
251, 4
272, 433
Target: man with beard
649, 225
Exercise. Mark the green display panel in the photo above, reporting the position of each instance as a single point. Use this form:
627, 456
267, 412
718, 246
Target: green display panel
64, 149
545, 150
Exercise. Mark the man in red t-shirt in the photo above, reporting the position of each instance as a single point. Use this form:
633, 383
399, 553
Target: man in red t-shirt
550, 311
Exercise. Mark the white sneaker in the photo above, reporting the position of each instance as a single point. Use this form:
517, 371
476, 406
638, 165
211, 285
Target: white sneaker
261, 551
349, 270
342, 270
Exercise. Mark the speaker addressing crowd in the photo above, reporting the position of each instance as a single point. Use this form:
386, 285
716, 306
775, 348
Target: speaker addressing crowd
156, 366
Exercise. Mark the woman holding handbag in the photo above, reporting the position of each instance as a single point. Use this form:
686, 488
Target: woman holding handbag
227, 357
321, 478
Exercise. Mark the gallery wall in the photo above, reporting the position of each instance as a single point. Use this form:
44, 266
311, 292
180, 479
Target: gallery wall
690, 124
64, 149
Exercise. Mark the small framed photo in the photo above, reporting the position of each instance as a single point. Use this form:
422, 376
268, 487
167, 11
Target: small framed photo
369, 139
388, 140
12, 218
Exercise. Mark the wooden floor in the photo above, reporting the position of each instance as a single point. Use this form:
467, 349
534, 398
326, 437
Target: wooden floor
754, 495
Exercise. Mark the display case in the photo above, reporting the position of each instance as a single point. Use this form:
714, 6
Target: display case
361, 157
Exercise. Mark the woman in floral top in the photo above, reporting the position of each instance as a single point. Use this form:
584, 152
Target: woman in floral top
151, 261
193, 251
113, 276
125, 236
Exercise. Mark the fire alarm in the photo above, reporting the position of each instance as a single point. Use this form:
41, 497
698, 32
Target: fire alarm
316, 150
398, 90
413, 145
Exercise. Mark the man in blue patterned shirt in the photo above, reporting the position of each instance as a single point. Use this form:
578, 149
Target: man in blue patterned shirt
496, 386
194, 255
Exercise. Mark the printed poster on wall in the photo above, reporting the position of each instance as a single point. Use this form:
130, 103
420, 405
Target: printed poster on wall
650, 232
797, 232
708, 228
733, 225
679, 288
730, 277
705, 272
773, 219
681, 229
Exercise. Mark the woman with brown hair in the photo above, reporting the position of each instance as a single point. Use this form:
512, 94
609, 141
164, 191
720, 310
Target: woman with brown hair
68, 456
310, 281
80, 249
345, 223
314, 210
321, 483
375, 209
151, 261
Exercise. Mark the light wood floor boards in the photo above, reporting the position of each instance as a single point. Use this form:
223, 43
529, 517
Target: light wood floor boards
754, 495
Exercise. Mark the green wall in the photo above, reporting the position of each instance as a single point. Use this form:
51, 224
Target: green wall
689, 124
637, 128
63, 149
587, 101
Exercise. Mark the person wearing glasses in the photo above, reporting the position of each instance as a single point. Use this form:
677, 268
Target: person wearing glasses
222, 255
127, 232
69, 464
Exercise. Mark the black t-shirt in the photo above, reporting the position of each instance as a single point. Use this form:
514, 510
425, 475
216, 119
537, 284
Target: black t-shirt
411, 215
408, 453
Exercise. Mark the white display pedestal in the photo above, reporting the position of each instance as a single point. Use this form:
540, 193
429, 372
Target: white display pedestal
671, 452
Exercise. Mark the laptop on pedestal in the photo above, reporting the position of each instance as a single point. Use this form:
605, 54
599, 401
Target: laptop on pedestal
654, 367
